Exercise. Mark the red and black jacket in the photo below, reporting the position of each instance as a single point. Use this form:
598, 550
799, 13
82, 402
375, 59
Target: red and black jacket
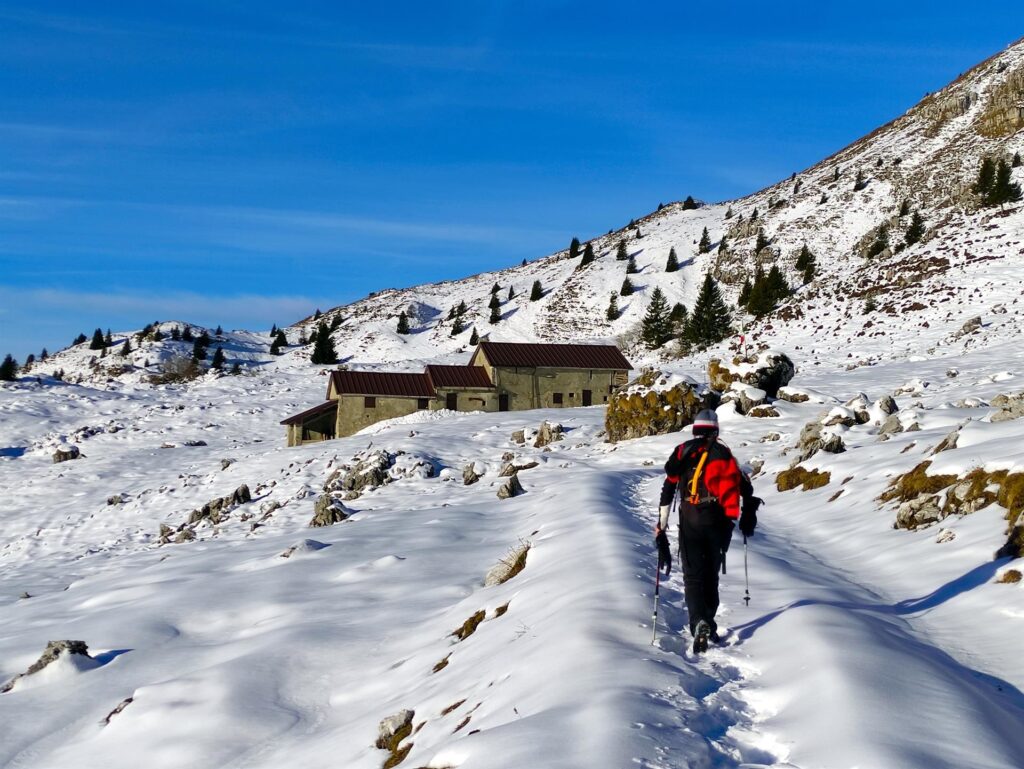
720, 476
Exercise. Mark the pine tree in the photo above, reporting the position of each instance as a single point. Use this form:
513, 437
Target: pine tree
80, 339
316, 315
8, 369
303, 339
462, 309
723, 245
452, 312
186, 335
612, 313
457, 326
495, 315
403, 323
753, 216
744, 296
273, 330
588, 255
28, 362
219, 331
275, 347
204, 339
656, 328
678, 317
157, 336
672, 265
97, 340
236, 368
689, 204
495, 302
335, 323
621, 254
986, 179
312, 337
728, 213
631, 268
511, 293
537, 292
175, 334
474, 338
198, 350
777, 285
1005, 190
126, 349
760, 301
710, 321
904, 207
916, 229
870, 305
44, 355
282, 339
495, 289
705, 242
804, 257
762, 242
108, 340
808, 272
218, 359
627, 288
323, 351
574, 248
881, 241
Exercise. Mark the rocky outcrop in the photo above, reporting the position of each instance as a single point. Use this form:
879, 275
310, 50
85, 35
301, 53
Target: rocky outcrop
745, 397
472, 473
547, 434
510, 487
1004, 113
328, 510
1010, 407
216, 509
374, 468
390, 733
75, 652
767, 371
65, 453
654, 404
814, 438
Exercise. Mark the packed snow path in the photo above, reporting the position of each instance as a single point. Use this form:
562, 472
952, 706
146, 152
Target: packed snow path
862, 647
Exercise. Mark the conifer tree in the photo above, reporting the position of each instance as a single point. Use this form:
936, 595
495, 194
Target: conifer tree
627, 288
275, 346
588, 255
8, 369
495, 314
804, 257
678, 317
126, 348
312, 337
97, 342
316, 315
672, 265
452, 312
457, 326
80, 339
689, 204
323, 350
870, 305
986, 178
474, 338
495, 289
236, 368
705, 242
537, 292
753, 216
881, 241
723, 245
916, 229
219, 331
335, 323
904, 207
762, 242
273, 330
809, 271
511, 293
574, 248
403, 323
495, 302
198, 351
656, 328
710, 321
303, 339
728, 213
462, 309
631, 268
28, 362
1016, 160
777, 285
612, 313
218, 359
204, 339
621, 254
186, 335
744, 296
1004, 190
44, 355
282, 339
157, 335
175, 334
108, 340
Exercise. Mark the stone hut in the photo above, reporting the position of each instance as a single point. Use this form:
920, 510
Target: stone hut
500, 376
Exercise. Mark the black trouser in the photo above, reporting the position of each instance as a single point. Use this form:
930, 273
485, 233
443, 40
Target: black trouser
704, 532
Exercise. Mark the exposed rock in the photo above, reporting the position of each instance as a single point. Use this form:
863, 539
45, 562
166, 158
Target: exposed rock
1010, 407
814, 438
519, 436
745, 397
947, 443
762, 412
770, 437
511, 468
65, 453
394, 729
473, 472
841, 415
654, 404
891, 426
185, 535
216, 509
123, 704
800, 476
547, 434
117, 499
193, 443
165, 534
327, 511
792, 396
305, 546
769, 371
920, 511
226, 463
859, 405
77, 652
887, 405
510, 487
269, 507
24, 596
376, 468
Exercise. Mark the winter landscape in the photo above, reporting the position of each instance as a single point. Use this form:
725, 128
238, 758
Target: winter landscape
391, 597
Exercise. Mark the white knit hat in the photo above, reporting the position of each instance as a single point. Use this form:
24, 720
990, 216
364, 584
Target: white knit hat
707, 420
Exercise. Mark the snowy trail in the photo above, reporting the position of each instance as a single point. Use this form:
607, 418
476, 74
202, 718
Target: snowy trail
821, 668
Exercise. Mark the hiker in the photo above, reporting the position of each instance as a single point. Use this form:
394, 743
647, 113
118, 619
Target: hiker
712, 490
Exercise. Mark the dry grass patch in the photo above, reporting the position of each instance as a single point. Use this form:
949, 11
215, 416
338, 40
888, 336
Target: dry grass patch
1010, 577
453, 707
438, 667
801, 476
913, 484
469, 626
500, 611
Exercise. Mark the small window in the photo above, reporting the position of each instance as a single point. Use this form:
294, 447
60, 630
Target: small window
572, 396
369, 402
556, 398
606, 399
423, 403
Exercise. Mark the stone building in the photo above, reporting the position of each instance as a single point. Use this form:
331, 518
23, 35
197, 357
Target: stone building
500, 376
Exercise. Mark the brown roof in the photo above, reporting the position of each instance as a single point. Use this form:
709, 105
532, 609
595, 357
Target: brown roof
602, 356
382, 383
459, 376
323, 408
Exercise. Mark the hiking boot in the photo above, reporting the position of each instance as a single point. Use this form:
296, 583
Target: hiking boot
714, 637
700, 637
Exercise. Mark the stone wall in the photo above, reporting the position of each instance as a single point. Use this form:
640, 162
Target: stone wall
530, 388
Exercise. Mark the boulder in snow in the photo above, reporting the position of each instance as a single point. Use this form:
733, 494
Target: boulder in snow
510, 487
328, 511
655, 404
73, 654
547, 434
766, 371
66, 452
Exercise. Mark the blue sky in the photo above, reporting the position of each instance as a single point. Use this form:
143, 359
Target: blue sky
243, 163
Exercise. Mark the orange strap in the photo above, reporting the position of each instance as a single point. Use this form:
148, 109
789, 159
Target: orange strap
694, 497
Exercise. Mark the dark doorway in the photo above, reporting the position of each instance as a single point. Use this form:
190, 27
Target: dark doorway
451, 402
588, 397
503, 402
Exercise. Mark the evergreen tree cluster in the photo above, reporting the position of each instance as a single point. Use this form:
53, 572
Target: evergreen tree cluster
807, 264
621, 253
689, 204
323, 347
588, 255
915, 231
767, 290
280, 340
8, 369
537, 291
710, 322
881, 241
995, 185
403, 323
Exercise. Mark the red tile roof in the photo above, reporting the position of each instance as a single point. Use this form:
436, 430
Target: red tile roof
511, 354
323, 408
382, 383
459, 376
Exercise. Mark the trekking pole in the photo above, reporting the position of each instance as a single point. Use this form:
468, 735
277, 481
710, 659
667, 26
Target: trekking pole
654, 619
746, 574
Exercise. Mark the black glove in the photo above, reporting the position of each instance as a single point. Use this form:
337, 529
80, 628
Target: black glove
664, 553
748, 518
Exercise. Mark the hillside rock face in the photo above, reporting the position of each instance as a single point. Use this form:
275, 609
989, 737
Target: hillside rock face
768, 372
654, 404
